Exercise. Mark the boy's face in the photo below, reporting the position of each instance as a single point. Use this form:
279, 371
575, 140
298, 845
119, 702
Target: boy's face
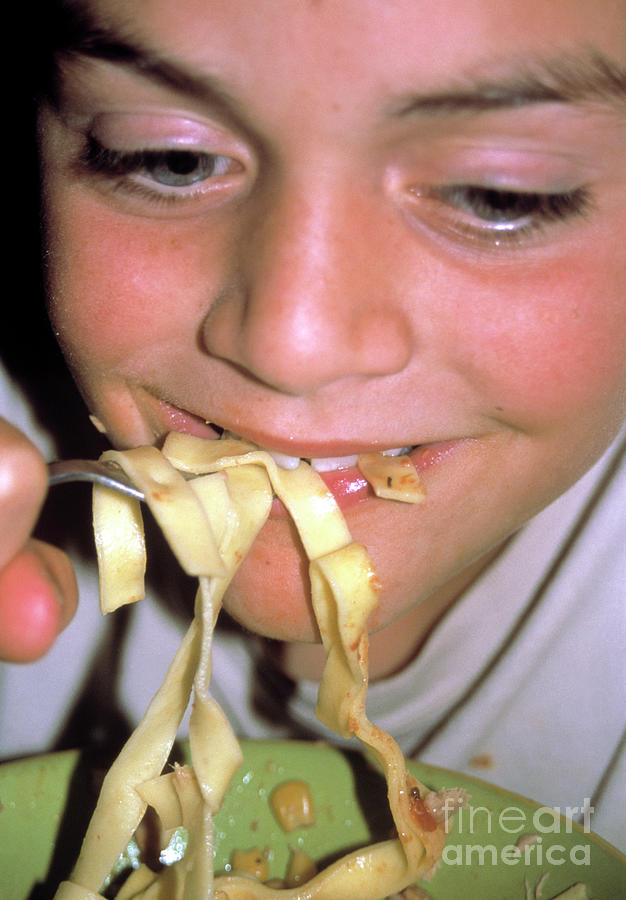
346, 225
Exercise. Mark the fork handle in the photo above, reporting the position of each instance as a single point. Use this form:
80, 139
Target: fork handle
67, 470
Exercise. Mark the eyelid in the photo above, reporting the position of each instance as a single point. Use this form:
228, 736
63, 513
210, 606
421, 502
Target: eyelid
496, 162
158, 131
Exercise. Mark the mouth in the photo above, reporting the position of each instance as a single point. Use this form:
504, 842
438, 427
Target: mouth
329, 463
348, 478
340, 472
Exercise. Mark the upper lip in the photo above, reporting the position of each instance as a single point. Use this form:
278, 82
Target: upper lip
292, 445
313, 449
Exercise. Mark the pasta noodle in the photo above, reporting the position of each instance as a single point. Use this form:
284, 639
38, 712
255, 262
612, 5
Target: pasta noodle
210, 522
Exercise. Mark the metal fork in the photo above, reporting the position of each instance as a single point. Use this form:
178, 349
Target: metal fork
107, 473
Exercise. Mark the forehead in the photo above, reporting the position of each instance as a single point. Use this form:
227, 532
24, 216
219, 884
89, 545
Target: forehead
372, 58
433, 39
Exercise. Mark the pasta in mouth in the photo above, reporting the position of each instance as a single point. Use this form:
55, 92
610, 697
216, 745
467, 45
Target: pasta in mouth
211, 522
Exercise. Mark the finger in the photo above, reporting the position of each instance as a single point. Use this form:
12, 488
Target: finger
23, 483
38, 596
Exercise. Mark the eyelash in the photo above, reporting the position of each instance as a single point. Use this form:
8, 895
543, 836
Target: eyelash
178, 163
487, 217
499, 217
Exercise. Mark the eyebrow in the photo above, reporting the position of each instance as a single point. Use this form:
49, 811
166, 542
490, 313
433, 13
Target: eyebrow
587, 76
74, 31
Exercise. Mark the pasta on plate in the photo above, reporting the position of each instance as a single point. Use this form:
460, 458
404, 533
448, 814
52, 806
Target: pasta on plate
211, 521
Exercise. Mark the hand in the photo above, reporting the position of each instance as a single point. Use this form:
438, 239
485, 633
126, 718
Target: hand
38, 592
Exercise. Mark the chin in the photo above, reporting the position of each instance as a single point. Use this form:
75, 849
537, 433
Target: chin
270, 594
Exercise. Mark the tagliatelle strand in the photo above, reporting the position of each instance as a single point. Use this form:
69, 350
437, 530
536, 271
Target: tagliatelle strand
342, 608
301, 490
225, 507
344, 593
211, 738
120, 549
120, 808
172, 503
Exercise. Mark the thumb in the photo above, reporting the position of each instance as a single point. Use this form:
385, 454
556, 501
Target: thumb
38, 596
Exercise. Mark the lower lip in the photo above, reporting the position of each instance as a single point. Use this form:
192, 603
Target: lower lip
349, 487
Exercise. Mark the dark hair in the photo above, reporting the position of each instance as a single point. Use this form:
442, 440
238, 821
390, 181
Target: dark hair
58, 22
28, 347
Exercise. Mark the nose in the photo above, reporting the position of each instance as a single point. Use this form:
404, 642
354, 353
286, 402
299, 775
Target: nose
311, 297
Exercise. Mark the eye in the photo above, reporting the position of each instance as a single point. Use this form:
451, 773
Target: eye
499, 207
161, 175
506, 209
495, 216
179, 168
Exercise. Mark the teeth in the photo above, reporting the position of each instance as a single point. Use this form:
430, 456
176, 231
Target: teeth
323, 464
95, 421
329, 463
284, 461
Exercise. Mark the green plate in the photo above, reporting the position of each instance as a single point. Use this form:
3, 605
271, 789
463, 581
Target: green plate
45, 803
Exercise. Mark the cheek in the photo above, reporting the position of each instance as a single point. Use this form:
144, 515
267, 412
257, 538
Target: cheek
553, 348
122, 287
